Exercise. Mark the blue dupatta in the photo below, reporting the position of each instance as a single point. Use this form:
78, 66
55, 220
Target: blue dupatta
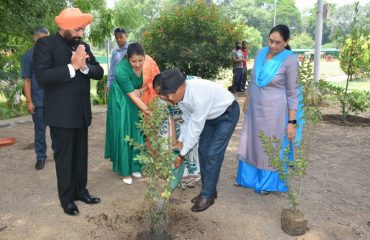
265, 72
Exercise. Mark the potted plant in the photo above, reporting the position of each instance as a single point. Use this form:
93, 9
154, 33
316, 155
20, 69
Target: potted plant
291, 173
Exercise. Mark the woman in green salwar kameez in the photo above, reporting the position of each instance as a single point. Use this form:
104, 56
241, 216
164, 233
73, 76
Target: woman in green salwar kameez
124, 105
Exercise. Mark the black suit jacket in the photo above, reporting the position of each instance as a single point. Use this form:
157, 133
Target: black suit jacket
66, 100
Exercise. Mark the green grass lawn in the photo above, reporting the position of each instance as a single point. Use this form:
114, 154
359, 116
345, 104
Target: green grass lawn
362, 85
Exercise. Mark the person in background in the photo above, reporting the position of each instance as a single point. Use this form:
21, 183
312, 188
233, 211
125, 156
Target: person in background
117, 55
237, 59
64, 64
245, 61
34, 93
273, 107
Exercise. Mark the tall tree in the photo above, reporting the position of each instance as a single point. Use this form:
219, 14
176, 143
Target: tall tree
18, 19
287, 13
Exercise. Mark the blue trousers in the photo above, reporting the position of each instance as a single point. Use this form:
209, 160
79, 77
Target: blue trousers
212, 146
39, 127
238, 79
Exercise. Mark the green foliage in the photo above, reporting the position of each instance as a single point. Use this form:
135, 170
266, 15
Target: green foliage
302, 40
287, 13
354, 48
102, 27
353, 56
18, 20
355, 101
256, 13
290, 172
311, 93
16, 111
11, 89
88, 5
196, 38
341, 18
254, 39
100, 90
157, 158
130, 14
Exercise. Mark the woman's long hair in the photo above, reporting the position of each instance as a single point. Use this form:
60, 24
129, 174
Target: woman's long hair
284, 31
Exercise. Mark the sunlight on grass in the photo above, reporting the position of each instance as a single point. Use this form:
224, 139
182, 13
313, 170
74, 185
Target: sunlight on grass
355, 85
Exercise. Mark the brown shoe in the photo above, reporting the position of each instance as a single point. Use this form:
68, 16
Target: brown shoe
197, 198
203, 204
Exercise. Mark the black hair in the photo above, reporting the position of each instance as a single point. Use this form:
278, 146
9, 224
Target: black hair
40, 29
119, 31
236, 44
284, 33
244, 42
135, 49
157, 80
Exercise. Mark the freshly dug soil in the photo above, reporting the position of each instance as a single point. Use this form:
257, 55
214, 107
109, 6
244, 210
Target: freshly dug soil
335, 194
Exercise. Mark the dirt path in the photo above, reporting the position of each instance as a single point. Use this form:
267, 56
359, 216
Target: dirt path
335, 199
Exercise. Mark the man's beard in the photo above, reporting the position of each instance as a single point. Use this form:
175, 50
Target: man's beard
73, 41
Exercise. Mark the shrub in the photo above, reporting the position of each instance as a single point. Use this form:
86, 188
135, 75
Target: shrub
195, 38
11, 89
101, 96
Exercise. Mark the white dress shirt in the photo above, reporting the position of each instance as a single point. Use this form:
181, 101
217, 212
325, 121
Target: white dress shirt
203, 100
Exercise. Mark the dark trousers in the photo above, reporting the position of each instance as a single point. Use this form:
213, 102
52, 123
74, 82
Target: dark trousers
212, 146
245, 79
40, 129
70, 162
238, 79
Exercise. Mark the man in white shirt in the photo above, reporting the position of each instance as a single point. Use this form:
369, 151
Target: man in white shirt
210, 114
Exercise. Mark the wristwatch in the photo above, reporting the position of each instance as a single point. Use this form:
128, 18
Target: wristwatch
292, 121
84, 68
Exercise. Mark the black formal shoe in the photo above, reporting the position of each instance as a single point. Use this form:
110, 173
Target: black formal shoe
88, 199
71, 209
203, 204
40, 165
198, 197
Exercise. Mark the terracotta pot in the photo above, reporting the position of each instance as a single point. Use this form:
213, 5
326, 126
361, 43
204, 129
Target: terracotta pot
293, 222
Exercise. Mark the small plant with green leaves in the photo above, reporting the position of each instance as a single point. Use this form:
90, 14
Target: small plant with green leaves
312, 95
157, 157
101, 96
290, 172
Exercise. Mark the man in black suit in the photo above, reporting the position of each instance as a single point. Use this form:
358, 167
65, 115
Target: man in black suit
64, 65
